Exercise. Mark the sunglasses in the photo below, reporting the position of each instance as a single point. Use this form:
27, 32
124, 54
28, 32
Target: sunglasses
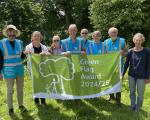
85, 33
56, 40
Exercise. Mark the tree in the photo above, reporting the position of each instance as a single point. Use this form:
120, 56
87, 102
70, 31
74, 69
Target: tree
62, 74
126, 15
47, 16
26, 15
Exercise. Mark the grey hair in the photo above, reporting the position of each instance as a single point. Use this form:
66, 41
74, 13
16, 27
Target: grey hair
139, 35
112, 29
72, 26
84, 29
56, 36
96, 33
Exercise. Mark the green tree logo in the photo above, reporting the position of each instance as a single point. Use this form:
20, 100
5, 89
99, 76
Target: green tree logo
62, 68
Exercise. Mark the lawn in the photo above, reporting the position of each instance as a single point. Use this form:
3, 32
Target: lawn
87, 109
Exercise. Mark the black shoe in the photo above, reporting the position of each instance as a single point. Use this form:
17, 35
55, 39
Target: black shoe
11, 112
22, 109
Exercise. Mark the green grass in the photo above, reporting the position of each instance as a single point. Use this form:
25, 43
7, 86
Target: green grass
87, 109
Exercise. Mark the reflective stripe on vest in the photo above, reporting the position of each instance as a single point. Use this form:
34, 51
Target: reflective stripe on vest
90, 46
102, 48
7, 56
12, 64
65, 41
106, 46
11, 56
67, 48
20, 45
120, 44
5, 48
79, 45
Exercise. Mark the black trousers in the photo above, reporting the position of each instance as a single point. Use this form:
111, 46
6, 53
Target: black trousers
37, 100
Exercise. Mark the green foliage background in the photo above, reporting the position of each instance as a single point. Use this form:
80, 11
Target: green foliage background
54, 16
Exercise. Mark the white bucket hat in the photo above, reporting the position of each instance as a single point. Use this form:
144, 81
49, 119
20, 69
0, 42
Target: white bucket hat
11, 27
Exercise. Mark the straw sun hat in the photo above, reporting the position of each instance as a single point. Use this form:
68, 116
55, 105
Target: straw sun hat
11, 27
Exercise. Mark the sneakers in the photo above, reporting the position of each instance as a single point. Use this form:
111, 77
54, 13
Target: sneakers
11, 112
22, 109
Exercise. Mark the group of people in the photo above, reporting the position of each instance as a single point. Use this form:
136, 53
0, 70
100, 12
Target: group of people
12, 53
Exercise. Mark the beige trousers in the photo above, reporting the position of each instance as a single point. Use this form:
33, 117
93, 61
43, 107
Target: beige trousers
19, 86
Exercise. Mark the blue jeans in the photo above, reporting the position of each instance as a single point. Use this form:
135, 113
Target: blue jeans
140, 84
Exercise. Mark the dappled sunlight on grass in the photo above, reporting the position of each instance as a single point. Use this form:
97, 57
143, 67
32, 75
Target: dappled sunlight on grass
86, 109
62, 109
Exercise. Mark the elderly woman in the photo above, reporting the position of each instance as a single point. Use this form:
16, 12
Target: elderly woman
55, 48
138, 74
97, 46
37, 47
11, 66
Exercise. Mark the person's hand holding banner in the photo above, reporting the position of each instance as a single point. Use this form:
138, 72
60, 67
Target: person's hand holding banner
27, 52
83, 53
45, 53
147, 81
48, 53
123, 53
66, 54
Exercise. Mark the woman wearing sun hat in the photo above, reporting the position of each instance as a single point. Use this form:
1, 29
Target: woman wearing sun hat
11, 66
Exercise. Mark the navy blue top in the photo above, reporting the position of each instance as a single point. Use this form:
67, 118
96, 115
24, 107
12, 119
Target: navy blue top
149, 61
138, 63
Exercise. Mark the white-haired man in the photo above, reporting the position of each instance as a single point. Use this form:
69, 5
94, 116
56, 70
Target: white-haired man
115, 43
72, 44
